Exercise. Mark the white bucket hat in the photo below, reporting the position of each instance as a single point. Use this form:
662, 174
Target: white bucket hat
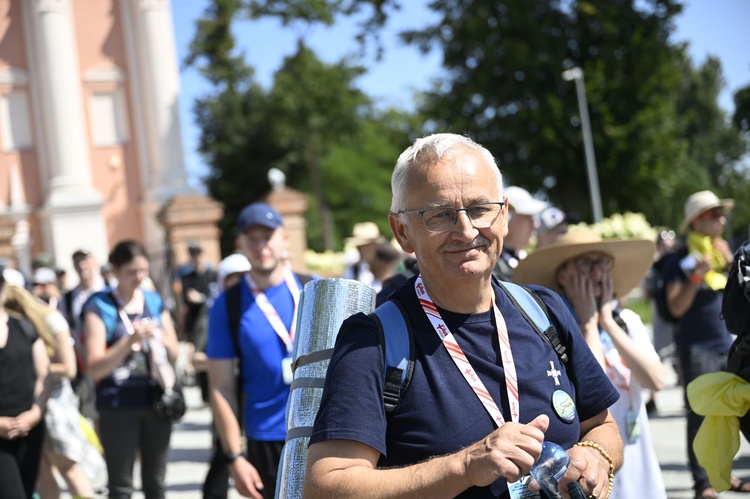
701, 202
522, 202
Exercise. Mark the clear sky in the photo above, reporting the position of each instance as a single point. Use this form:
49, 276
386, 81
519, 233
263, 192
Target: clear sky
711, 27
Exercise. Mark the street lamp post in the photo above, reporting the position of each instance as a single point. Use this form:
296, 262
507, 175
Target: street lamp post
588, 142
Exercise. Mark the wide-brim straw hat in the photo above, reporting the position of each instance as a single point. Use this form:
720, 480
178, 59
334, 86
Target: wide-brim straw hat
701, 202
365, 233
632, 259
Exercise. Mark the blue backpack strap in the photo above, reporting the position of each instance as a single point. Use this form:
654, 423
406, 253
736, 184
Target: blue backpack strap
398, 348
153, 302
533, 309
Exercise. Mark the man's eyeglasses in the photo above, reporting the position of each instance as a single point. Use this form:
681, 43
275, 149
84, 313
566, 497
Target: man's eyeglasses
586, 264
481, 215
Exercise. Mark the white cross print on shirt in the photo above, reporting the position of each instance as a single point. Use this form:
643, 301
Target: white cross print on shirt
554, 373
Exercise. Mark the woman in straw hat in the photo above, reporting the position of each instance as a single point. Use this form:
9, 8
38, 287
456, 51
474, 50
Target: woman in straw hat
591, 274
695, 278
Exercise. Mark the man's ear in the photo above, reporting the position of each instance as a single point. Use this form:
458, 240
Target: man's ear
399, 232
506, 217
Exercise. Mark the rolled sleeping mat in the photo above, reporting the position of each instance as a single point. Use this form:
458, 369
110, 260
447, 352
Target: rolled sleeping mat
323, 306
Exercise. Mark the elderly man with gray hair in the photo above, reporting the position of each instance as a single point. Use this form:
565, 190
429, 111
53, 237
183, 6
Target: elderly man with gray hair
485, 390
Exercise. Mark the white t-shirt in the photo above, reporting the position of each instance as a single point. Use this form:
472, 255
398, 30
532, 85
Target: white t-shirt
640, 475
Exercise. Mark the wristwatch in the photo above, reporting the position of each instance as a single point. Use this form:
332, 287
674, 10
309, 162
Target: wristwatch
232, 456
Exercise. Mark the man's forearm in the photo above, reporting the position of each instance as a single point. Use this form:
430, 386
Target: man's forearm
226, 422
440, 477
607, 435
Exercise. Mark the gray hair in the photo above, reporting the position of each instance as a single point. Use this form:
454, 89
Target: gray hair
429, 151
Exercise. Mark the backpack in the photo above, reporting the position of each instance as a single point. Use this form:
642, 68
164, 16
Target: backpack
658, 286
735, 310
397, 339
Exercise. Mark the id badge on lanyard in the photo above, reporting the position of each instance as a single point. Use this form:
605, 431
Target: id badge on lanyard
520, 489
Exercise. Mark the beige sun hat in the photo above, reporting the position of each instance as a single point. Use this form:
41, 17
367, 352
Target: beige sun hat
701, 202
365, 233
632, 259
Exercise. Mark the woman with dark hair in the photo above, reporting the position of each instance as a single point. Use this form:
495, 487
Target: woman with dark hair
24, 388
124, 329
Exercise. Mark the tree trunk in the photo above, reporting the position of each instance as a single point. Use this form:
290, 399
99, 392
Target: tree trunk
312, 160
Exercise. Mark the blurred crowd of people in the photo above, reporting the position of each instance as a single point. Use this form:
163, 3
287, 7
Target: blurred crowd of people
82, 363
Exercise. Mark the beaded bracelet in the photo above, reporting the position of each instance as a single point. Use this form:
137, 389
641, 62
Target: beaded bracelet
605, 455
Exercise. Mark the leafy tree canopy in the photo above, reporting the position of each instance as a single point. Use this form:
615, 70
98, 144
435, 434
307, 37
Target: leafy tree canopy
658, 132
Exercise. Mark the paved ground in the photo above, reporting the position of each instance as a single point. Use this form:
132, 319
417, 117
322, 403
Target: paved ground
192, 438
668, 432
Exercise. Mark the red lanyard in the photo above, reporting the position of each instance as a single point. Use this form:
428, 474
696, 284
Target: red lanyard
270, 312
463, 364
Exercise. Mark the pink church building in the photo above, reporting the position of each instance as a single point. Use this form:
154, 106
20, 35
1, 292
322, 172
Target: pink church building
90, 143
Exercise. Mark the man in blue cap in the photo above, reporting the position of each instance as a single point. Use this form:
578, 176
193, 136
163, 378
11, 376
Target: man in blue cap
260, 334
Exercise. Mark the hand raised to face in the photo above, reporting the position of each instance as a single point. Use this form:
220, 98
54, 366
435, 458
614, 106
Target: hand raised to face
579, 288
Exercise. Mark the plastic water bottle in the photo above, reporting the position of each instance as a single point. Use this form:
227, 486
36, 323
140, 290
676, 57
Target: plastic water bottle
550, 468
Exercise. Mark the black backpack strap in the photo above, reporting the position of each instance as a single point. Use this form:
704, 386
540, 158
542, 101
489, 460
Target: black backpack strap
397, 341
739, 353
619, 320
233, 300
303, 278
233, 297
68, 298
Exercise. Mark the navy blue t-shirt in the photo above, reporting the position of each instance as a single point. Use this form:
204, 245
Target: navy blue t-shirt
439, 413
701, 326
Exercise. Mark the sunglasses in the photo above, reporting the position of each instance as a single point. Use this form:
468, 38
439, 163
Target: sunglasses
713, 213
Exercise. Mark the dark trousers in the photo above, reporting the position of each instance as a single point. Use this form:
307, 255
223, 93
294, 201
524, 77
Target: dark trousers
124, 432
265, 456
696, 362
216, 484
19, 464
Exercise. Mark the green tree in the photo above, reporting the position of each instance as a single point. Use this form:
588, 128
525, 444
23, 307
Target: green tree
372, 14
235, 139
313, 124
357, 175
316, 106
503, 86
738, 180
741, 118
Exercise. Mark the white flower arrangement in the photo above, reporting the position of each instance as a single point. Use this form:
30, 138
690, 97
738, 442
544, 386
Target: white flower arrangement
623, 226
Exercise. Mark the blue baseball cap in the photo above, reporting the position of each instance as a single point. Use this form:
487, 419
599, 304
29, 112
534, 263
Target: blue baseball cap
258, 214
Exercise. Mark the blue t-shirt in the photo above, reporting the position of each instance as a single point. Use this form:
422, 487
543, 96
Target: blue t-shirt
263, 351
439, 413
701, 326
130, 384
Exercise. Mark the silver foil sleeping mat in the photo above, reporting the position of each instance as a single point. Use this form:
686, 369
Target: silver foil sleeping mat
324, 304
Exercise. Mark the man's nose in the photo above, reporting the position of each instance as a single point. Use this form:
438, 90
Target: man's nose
464, 225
